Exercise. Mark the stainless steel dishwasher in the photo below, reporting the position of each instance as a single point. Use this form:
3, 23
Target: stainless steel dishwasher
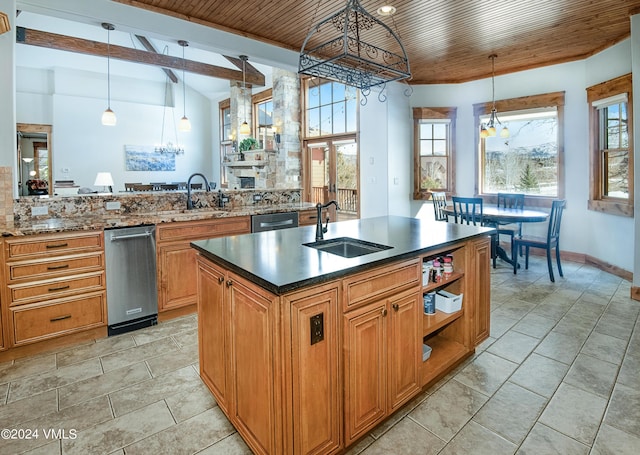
132, 296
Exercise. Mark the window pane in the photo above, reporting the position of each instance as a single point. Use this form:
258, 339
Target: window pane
326, 113
313, 117
426, 148
433, 173
338, 118
617, 173
351, 114
338, 92
325, 93
440, 147
439, 131
527, 161
426, 131
313, 95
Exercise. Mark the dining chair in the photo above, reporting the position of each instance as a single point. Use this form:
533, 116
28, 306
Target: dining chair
468, 210
551, 241
129, 186
168, 187
439, 199
510, 201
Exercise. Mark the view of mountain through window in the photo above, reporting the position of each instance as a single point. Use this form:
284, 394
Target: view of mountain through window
527, 160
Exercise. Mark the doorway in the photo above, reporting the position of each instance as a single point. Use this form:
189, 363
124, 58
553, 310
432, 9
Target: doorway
334, 175
34, 159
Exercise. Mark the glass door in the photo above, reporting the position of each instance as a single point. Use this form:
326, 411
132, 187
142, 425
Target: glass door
333, 175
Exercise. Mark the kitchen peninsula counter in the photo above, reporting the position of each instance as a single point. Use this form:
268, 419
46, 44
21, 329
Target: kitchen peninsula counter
306, 351
89, 222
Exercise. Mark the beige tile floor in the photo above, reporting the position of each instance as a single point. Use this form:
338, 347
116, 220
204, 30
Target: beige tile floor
559, 375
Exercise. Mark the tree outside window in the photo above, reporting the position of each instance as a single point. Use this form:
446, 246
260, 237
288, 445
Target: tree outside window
611, 182
530, 160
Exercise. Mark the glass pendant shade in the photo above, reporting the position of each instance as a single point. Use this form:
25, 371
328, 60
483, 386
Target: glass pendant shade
184, 125
109, 118
244, 128
504, 132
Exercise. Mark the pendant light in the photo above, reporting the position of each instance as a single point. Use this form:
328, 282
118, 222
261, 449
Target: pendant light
489, 129
108, 116
185, 124
245, 129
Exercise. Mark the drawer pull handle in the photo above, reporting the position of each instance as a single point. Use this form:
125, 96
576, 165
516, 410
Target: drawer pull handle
384, 312
395, 306
58, 245
56, 267
59, 288
60, 318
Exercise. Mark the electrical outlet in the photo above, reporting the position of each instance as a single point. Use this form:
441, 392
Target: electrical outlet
257, 197
316, 324
113, 205
36, 211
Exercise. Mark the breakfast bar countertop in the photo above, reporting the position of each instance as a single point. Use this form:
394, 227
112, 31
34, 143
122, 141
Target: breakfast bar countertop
279, 262
86, 222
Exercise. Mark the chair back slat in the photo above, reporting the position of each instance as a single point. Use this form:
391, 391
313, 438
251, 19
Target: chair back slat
439, 199
511, 200
467, 210
555, 217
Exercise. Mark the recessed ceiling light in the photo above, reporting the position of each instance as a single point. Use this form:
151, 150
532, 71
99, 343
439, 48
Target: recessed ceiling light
387, 10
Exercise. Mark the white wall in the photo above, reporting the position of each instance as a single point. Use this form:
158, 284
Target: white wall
73, 103
7, 90
583, 231
635, 64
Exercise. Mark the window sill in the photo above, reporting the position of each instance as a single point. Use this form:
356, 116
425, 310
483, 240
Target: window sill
612, 207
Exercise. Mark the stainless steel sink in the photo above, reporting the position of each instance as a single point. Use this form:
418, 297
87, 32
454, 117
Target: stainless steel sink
347, 247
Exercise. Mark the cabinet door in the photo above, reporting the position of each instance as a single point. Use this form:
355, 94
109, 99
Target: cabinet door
177, 273
252, 339
365, 358
316, 386
213, 342
404, 347
480, 283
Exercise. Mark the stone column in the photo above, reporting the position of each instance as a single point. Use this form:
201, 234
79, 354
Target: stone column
286, 118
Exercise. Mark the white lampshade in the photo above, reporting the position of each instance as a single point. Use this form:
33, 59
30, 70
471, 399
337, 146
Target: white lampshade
109, 118
245, 129
184, 125
104, 179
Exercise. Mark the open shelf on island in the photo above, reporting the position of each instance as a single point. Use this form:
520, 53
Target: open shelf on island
430, 286
444, 353
433, 322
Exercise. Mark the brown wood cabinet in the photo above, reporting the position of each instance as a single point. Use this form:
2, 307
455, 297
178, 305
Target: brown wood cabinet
381, 344
288, 389
177, 269
55, 285
244, 349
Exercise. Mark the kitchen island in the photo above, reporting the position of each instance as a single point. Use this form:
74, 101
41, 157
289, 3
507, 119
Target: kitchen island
306, 351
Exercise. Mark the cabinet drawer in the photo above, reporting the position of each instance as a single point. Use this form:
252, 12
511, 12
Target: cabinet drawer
309, 217
48, 245
55, 266
379, 282
34, 322
56, 288
195, 230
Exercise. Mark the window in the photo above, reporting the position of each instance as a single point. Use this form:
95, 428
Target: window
330, 108
530, 160
226, 138
433, 130
611, 182
263, 118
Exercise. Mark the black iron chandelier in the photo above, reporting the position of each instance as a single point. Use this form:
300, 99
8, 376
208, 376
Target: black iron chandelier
489, 129
345, 47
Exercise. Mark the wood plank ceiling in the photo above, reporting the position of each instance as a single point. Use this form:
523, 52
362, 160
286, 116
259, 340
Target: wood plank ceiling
447, 41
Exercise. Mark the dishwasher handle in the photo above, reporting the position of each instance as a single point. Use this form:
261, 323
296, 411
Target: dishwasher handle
130, 236
271, 224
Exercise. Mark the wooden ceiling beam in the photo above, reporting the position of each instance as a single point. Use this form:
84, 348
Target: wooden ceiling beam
149, 46
82, 46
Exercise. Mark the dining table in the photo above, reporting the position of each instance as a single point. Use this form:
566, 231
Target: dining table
495, 216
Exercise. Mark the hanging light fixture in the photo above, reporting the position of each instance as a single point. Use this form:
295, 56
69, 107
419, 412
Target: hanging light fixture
245, 129
489, 129
108, 116
184, 125
168, 147
346, 47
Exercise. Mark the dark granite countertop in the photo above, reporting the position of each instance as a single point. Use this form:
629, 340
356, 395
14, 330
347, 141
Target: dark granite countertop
277, 260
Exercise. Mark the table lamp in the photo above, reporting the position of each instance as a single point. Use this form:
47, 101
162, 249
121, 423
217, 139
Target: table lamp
104, 179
